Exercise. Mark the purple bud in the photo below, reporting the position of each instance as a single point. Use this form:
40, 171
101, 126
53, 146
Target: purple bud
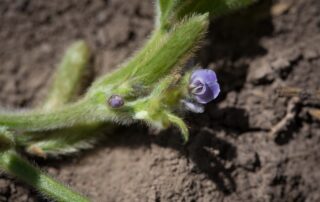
204, 85
116, 101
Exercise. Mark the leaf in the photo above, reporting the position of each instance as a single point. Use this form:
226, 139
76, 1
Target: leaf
161, 56
178, 122
216, 8
6, 139
62, 142
68, 75
165, 6
164, 10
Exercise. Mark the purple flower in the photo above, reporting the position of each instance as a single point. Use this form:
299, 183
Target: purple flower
204, 85
116, 101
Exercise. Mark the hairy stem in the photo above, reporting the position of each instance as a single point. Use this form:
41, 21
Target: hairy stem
67, 116
11, 163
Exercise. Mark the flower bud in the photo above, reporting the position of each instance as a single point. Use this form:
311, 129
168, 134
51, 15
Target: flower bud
115, 101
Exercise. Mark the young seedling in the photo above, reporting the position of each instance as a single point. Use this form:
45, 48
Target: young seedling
152, 87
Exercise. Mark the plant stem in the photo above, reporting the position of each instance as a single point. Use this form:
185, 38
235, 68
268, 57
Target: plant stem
11, 163
75, 114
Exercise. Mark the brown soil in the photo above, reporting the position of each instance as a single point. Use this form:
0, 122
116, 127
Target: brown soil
237, 151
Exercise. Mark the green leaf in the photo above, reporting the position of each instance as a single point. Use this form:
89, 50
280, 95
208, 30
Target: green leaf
164, 53
68, 75
177, 121
178, 46
64, 141
216, 8
165, 6
164, 11
6, 139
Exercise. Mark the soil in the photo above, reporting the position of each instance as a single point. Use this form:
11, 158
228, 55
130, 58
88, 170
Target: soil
249, 145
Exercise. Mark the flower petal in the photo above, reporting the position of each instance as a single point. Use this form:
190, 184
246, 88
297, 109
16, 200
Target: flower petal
206, 97
204, 85
215, 88
204, 75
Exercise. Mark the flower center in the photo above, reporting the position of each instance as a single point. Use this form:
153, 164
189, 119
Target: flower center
198, 87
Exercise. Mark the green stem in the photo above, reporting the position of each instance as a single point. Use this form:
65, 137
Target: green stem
11, 163
79, 113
